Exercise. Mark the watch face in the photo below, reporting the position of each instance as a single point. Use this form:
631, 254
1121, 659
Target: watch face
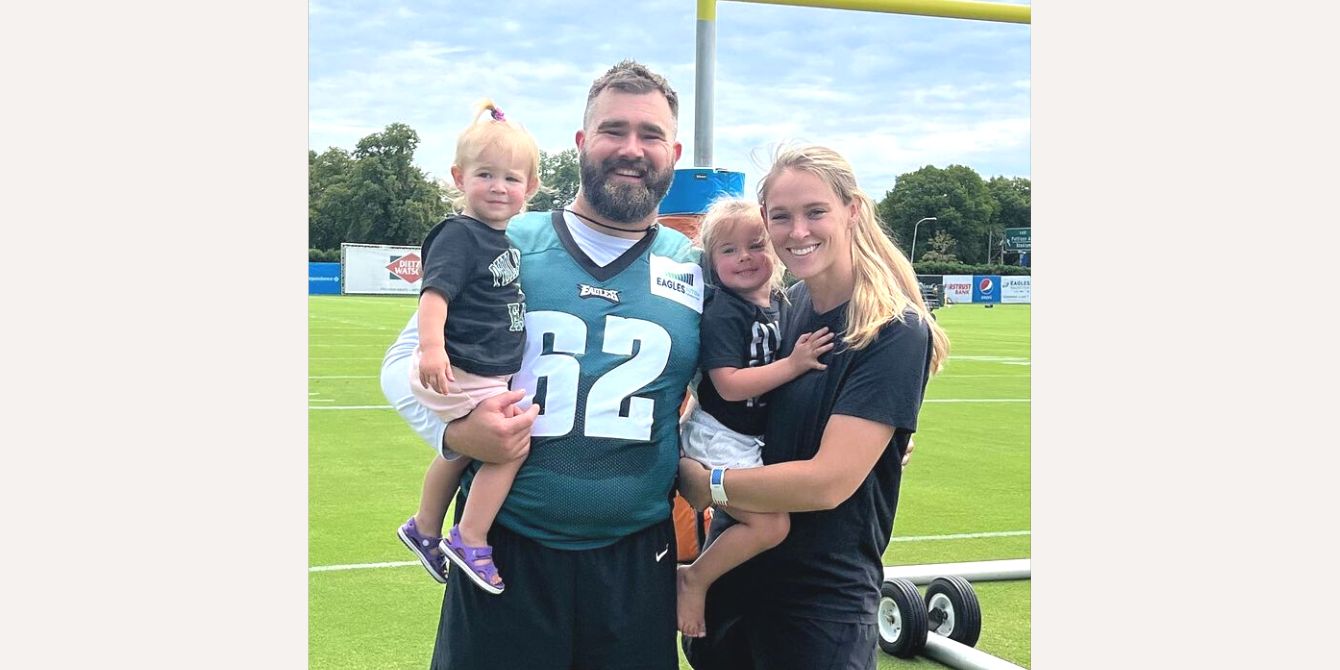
717, 474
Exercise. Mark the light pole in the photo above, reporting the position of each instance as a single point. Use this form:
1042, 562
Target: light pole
914, 237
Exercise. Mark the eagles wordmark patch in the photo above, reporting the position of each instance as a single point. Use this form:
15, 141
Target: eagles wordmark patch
588, 291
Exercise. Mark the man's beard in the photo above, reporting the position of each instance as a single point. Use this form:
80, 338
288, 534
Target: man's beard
623, 202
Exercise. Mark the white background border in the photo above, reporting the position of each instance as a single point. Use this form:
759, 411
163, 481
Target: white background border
1183, 467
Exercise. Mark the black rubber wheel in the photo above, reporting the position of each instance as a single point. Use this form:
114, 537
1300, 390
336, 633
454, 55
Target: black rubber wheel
953, 610
901, 619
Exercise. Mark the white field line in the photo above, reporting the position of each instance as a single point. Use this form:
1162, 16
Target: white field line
964, 400
913, 538
367, 376
361, 566
339, 324
977, 400
961, 536
397, 300
348, 334
354, 324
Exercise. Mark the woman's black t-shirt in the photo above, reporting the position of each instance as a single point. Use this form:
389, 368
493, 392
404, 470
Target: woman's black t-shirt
829, 566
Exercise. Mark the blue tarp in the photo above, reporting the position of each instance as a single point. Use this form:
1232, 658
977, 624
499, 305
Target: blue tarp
694, 189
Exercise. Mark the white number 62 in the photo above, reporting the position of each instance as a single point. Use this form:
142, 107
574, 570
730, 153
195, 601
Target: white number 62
562, 370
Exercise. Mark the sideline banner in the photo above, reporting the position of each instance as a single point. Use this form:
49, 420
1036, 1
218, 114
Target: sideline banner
958, 288
379, 269
323, 278
986, 288
1016, 289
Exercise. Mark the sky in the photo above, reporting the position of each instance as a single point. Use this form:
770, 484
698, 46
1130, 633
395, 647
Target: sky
892, 93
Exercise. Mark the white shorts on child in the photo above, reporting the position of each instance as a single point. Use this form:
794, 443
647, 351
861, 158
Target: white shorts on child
706, 440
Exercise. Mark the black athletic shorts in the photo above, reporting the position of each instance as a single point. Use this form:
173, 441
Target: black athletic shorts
611, 608
741, 635
783, 642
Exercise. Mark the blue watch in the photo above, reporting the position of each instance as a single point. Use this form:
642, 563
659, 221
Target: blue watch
717, 482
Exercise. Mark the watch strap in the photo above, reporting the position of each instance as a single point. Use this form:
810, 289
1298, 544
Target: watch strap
717, 482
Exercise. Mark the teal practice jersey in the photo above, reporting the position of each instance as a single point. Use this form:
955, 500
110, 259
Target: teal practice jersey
609, 354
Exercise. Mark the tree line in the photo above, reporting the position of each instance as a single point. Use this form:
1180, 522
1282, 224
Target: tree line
376, 195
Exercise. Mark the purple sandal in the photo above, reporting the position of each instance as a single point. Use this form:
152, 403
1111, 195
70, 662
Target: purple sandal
422, 546
465, 558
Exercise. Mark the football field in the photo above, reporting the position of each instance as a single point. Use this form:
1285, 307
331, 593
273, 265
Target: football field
965, 496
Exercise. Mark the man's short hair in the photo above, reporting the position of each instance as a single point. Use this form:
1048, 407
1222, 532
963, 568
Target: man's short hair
630, 76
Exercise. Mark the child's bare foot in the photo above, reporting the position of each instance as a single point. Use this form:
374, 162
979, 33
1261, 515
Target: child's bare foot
472, 536
692, 600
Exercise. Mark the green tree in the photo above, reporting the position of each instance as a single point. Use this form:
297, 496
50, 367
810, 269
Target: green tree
328, 197
396, 203
1014, 201
561, 175
958, 199
375, 195
940, 247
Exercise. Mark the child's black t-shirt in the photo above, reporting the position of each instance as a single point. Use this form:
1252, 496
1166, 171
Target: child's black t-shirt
736, 333
478, 271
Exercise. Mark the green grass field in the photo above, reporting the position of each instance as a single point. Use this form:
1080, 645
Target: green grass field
969, 476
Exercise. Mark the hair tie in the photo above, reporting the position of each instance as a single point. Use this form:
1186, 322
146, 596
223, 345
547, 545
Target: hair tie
497, 114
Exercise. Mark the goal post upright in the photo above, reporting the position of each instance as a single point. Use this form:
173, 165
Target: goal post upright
703, 78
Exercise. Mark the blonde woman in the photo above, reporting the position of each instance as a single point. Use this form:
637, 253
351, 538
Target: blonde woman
836, 439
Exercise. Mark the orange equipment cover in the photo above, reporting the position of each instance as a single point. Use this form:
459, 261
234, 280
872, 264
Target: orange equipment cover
686, 520
686, 529
684, 223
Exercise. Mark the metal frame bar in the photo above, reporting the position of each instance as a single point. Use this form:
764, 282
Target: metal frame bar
961, 656
982, 571
948, 9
